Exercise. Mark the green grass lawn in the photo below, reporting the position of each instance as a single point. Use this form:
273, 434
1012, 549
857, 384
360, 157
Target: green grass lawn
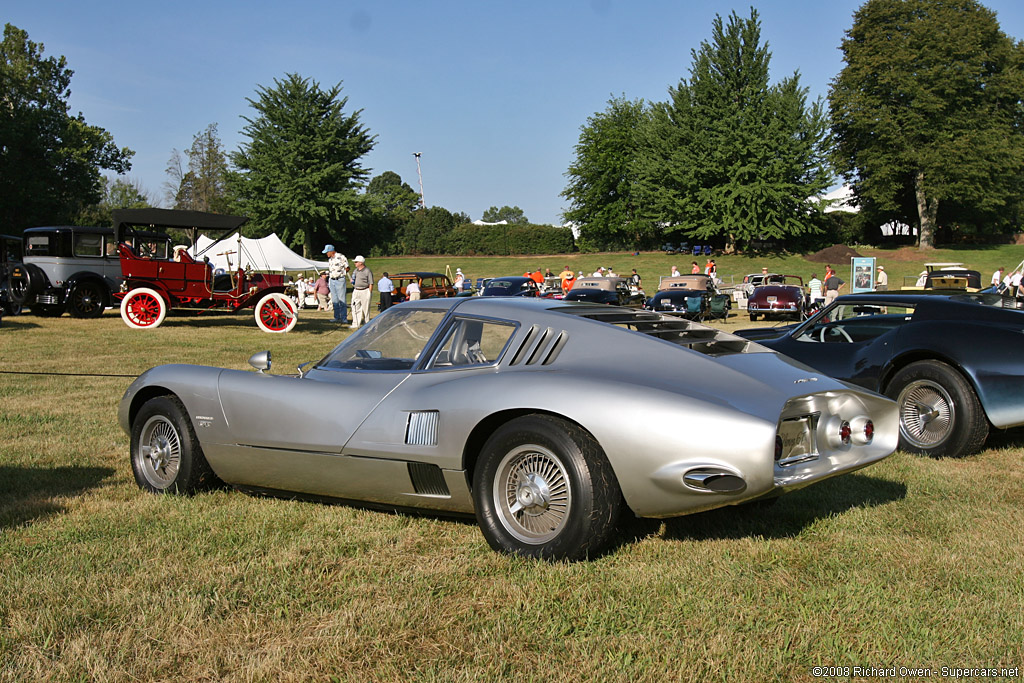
910, 563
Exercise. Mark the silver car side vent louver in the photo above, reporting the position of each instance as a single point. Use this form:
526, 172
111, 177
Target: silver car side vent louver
540, 346
421, 430
428, 480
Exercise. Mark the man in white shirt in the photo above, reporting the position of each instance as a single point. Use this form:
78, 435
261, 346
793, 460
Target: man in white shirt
386, 287
882, 283
300, 292
337, 280
997, 277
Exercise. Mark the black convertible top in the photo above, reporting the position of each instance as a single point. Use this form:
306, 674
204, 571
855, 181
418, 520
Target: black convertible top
125, 219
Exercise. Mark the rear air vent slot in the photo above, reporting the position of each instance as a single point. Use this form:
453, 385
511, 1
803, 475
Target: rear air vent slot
421, 430
541, 343
428, 480
527, 341
556, 348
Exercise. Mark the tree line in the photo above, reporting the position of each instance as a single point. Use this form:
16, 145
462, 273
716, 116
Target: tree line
924, 122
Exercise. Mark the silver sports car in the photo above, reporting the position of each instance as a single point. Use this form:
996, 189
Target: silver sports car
552, 422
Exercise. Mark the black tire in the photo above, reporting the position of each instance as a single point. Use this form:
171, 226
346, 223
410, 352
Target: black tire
165, 453
12, 308
940, 414
569, 502
753, 317
87, 300
27, 281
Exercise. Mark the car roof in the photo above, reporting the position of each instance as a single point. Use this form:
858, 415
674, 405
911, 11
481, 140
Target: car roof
510, 278
416, 273
694, 281
606, 283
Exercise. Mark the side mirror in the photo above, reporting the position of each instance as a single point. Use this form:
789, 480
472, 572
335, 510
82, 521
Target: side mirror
260, 361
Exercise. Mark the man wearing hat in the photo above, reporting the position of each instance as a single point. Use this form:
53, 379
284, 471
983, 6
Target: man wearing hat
337, 274
362, 287
882, 283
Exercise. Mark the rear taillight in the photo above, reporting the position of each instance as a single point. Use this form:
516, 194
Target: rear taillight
844, 433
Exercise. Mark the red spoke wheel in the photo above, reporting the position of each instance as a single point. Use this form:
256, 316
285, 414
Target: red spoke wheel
143, 309
276, 313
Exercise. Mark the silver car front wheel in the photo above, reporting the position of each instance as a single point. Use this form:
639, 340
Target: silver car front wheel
165, 453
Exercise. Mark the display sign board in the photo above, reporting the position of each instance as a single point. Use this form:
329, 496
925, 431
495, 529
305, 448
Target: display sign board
862, 274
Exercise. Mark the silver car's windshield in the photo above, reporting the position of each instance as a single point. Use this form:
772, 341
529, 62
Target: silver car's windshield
389, 342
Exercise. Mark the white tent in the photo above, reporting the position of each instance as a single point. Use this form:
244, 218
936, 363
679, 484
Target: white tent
267, 253
840, 199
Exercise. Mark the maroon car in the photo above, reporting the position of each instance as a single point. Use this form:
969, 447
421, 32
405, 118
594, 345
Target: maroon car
154, 283
781, 297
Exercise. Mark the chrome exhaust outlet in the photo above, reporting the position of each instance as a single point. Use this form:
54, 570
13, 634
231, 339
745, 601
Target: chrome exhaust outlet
714, 480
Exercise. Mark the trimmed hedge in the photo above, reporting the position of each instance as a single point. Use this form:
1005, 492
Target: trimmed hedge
484, 240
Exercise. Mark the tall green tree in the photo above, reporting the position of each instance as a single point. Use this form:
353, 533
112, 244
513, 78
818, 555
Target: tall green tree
393, 196
50, 161
118, 193
202, 184
300, 172
603, 177
730, 155
927, 110
512, 214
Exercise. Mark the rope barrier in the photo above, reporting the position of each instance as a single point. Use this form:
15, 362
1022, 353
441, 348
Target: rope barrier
62, 374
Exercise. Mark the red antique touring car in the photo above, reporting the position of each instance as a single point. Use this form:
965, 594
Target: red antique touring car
152, 285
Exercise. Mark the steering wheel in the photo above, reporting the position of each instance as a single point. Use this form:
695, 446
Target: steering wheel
836, 330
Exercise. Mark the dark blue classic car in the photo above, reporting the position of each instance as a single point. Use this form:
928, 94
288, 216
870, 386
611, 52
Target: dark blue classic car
953, 362
510, 286
614, 291
690, 296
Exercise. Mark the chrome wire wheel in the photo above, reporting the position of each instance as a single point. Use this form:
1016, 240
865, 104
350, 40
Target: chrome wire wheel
159, 454
927, 413
532, 495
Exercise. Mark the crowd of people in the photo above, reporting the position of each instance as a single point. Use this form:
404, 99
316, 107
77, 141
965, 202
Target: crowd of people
329, 290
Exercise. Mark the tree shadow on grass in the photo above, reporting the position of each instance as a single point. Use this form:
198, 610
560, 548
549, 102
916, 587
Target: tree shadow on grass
791, 513
244, 319
28, 493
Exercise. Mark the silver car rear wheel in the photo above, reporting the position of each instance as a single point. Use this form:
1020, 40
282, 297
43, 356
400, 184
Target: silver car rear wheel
531, 494
542, 487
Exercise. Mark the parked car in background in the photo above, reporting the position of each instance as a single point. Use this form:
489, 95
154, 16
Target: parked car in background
952, 362
945, 276
779, 298
431, 285
614, 291
690, 296
516, 285
12, 290
756, 279
78, 269
509, 409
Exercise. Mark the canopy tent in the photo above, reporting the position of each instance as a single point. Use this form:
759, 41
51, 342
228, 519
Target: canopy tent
266, 253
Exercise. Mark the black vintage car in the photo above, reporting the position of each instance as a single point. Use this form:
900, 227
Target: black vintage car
77, 269
614, 291
511, 286
952, 362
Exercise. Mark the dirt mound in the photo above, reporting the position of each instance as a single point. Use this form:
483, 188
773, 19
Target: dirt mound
837, 253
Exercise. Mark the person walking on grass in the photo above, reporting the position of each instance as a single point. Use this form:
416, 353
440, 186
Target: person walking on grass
362, 288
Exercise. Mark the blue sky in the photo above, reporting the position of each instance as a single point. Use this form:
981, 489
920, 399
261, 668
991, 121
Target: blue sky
493, 94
